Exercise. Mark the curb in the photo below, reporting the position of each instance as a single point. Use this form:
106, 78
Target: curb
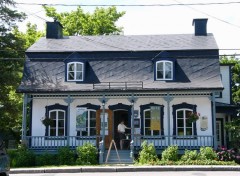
123, 169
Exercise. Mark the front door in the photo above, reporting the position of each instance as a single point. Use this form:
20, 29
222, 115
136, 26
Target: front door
120, 115
108, 126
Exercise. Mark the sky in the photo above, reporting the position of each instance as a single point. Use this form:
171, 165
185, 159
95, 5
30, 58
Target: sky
223, 20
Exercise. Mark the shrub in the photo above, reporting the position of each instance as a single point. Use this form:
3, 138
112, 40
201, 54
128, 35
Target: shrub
207, 153
46, 159
224, 154
65, 156
148, 154
87, 154
189, 155
170, 153
22, 158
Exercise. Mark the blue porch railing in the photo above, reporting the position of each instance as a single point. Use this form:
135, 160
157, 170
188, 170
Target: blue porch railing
183, 142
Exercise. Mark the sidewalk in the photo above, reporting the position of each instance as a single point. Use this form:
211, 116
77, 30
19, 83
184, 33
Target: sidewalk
78, 169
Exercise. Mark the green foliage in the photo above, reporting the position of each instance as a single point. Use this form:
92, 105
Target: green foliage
170, 154
234, 128
189, 155
147, 154
100, 22
22, 157
46, 159
207, 153
87, 154
66, 156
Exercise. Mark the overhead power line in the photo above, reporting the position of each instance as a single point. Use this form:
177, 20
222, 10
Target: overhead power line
133, 5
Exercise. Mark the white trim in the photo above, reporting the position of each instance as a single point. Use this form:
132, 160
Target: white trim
164, 70
184, 122
57, 119
75, 71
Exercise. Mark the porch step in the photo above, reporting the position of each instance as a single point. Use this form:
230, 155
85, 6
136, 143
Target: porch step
124, 156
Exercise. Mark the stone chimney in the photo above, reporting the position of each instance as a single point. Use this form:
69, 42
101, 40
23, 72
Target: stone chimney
200, 26
54, 30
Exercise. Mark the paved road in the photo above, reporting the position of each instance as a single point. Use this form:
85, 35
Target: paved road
178, 173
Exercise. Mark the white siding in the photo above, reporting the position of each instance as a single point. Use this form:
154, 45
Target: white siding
225, 72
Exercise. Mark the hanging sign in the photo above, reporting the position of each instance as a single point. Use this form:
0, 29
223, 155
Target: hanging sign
155, 117
81, 118
204, 123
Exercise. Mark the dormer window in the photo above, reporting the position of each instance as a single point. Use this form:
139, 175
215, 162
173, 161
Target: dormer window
164, 70
75, 71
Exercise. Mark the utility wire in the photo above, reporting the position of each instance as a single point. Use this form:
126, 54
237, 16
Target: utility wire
133, 5
224, 21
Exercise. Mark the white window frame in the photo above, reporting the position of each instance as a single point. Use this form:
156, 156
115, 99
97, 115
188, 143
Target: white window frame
75, 71
144, 125
57, 119
184, 122
164, 70
88, 120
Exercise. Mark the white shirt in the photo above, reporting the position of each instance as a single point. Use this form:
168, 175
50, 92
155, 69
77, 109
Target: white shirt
121, 128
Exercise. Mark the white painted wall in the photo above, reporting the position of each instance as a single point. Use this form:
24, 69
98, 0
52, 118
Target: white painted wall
225, 72
203, 107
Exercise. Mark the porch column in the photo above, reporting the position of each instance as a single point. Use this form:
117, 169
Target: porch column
132, 100
214, 121
168, 99
68, 100
103, 100
24, 120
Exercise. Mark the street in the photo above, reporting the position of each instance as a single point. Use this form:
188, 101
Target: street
178, 173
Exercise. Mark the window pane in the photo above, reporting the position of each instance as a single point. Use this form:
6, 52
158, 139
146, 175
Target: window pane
160, 66
180, 131
61, 123
53, 124
79, 67
71, 67
156, 132
168, 66
79, 76
53, 114
168, 74
60, 115
188, 131
147, 122
53, 132
92, 123
60, 132
84, 133
70, 75
147, 114
92, 131
180, 123
159, 74
147, 131
180, 114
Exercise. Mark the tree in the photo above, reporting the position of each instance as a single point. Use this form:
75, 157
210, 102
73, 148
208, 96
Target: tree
10, 47
100, 22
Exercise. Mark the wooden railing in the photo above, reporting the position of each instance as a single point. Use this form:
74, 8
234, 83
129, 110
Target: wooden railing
160, 142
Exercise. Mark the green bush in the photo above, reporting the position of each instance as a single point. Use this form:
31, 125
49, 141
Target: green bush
170, 153
207, 153
148, 154
22, 157
87, 154
46, 159
65, 156
189, 155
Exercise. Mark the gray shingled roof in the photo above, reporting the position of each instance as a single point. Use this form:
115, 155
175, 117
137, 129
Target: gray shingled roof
125, 43
197, 73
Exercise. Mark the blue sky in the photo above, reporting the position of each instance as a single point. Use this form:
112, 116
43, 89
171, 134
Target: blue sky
160, 19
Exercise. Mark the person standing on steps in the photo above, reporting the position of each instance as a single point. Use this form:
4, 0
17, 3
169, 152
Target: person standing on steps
121, 132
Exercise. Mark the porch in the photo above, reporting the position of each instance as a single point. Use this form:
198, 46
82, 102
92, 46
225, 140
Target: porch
52, 143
